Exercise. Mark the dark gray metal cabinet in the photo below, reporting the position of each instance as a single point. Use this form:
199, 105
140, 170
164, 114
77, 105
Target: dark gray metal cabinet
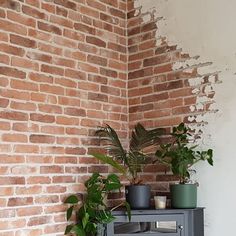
166, 222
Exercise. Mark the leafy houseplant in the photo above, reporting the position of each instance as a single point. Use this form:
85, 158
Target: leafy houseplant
180, 156
92, 212
132, 161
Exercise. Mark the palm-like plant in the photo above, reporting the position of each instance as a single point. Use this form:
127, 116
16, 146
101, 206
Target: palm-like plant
129, 162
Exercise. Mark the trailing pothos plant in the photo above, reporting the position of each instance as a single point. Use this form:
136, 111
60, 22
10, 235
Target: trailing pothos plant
128, 162
180, 156
91, 210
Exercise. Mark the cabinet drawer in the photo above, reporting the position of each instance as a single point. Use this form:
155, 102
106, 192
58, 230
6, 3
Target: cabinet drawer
144, 225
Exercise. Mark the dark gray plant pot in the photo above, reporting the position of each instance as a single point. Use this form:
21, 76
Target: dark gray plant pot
138, 196
183, 195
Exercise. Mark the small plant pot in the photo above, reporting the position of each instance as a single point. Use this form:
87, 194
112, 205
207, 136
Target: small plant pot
183, 195
138, 196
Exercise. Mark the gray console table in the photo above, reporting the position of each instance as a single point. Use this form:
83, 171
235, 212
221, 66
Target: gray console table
166, 222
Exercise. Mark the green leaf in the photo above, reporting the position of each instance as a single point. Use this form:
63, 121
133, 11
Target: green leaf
158, 153
85, 219
142, 138
114, 146
69, 212
104, 217
68, 229
73, 199
79, 230
128, 209
108, 160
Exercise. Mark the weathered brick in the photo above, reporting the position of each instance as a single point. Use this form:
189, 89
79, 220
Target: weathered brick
42, 118
49, 28
96, 41
12, 72
66, 4
84, 28
97, 60
22, 41
34, 12
10, 4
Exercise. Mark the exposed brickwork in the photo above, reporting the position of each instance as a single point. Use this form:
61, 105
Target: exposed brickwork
62, 73
165, 86
66, 67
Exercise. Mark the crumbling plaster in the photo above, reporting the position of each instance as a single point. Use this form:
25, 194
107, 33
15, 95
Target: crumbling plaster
206, 28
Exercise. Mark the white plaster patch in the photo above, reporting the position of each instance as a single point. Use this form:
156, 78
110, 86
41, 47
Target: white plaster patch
196, 91
195, 81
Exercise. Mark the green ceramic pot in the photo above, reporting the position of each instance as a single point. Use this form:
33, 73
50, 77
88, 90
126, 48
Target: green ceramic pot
183, 195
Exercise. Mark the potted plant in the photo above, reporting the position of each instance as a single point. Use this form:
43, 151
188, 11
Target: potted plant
132, 161
180, 156
91, 211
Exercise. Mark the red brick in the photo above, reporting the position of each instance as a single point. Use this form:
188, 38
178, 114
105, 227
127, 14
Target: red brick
49, 28
34, 12
38, 180
97, 60
75, 112
67, 120
75, 74
20, 201
63, 179
39, 57
12, 115
96, 4
56, 189
22, 41
26, 149
21, 138
108, 72
4, 82
29, 211
61, 21
10, 4
113, 3
42, 118
4, 102
64, 62
24, 63
23, 85
39, 220
73, 35
36, 138
51, 169
11, 49
89, 11
52, 69
24, 127
35, 3
67, 4
4, 59
12, 72
49, 7
61, 11
6, 191
84, 28
39, 35
95, 41
75, 151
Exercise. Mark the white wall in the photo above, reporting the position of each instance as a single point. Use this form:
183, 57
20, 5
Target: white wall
208, 28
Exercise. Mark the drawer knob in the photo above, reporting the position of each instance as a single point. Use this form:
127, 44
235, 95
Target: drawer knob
181, 227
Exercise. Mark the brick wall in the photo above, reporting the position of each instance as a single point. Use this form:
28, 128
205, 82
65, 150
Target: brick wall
165, 85
64, 70
62, 73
